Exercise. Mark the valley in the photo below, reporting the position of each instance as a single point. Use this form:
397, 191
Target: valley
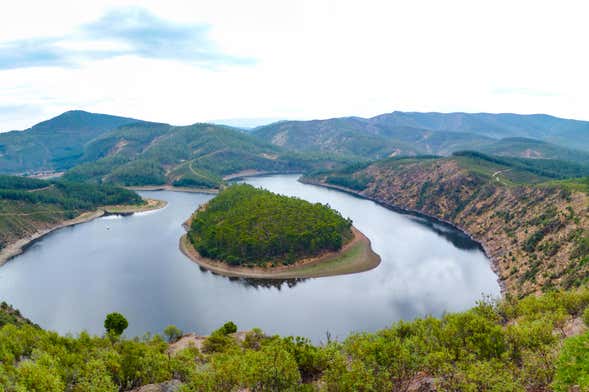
109, 262
294, 196
491, 222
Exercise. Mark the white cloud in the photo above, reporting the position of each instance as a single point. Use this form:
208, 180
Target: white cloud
314, 59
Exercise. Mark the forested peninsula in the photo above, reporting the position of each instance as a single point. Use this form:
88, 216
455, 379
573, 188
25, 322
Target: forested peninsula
246, 231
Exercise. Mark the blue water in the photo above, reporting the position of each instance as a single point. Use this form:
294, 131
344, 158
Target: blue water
69, 280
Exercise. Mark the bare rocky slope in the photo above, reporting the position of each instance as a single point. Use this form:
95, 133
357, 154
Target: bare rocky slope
536, 235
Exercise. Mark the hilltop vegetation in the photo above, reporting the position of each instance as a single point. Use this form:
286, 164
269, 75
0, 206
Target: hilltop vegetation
248, 226
533, 223
534, 148
522, 170
12, 316
360, 139
55, 144
198, 156
28, 205
124, 151
506, 345
409, 134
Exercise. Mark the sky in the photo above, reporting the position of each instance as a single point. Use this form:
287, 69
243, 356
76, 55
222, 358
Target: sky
255, 61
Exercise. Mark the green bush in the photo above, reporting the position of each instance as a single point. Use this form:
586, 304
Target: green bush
504, 345
572, 368
228, 328
115, 323
173, 333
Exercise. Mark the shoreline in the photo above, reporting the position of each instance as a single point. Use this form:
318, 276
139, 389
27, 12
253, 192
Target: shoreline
409, 211
171, 188
313, 267
256, 173
18, 247
212, 191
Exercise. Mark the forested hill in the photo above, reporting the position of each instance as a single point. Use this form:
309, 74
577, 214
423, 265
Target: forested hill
403, 133
244, 225
198, 155
55, 144
524, 147
29, 205
108, 149
531, 215
573, 133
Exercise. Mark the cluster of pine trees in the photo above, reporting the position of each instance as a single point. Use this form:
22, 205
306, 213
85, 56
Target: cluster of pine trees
245, 225
63, 194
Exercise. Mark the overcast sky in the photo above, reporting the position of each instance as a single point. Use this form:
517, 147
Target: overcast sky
187, 61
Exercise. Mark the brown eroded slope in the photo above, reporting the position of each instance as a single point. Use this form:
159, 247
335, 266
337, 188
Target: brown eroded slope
536, 235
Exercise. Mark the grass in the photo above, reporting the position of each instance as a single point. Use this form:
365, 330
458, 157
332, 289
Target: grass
358, 257
351, 261
148, 205
573, 184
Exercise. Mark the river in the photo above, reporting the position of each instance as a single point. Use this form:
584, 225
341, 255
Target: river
69, 280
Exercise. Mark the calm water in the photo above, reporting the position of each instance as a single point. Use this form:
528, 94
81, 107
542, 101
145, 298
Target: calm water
72, 278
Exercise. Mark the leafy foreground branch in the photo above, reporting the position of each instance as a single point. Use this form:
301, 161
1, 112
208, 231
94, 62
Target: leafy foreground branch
507, 345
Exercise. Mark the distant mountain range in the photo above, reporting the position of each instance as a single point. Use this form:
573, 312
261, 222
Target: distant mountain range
103, 148
411, 133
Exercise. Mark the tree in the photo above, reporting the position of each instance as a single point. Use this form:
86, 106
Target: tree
115, 324
229, 327
173, 333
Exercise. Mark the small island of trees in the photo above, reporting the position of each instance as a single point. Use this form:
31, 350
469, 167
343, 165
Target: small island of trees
247, 226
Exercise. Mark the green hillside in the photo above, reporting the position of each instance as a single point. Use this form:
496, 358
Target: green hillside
55, 144
535, 344
533, 148
404, 133
108, 149
521, 170
361, 139
566, 132
28, 205
198, 155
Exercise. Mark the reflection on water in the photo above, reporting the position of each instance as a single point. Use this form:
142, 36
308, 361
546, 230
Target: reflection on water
455, 237
275, 283
70, 279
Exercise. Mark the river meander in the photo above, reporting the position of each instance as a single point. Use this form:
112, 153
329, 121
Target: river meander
69, 280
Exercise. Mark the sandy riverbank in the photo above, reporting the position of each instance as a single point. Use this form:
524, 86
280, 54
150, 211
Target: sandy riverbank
355, 256
17, 247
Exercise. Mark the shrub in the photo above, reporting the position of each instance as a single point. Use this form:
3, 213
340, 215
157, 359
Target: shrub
572, 367
228, 328
115, 323
172, 333
586, 316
